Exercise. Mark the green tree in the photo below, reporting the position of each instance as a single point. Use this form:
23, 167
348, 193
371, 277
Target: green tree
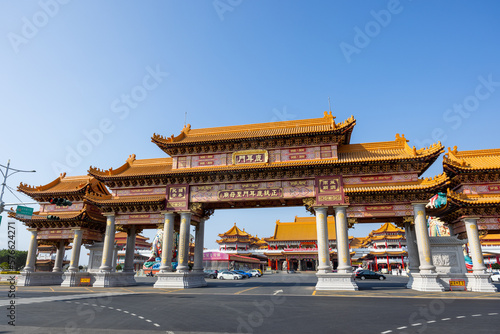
495, 266
18, 258
119, 267
4, 266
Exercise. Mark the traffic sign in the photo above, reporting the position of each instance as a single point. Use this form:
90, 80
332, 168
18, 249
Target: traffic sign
24, 211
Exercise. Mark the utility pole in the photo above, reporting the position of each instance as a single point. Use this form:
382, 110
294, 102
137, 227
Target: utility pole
5, 176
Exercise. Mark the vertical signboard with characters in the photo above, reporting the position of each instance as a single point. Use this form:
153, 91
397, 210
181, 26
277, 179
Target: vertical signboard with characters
329, 190
177, 197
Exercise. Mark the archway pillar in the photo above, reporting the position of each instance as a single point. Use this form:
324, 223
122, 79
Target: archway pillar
183, 277
343, 279
427, 278
412, 249
479, 280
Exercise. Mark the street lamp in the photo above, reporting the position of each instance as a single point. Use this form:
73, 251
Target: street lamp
5, 176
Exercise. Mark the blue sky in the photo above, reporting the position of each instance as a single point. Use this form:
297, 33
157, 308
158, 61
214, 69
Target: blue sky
88, 82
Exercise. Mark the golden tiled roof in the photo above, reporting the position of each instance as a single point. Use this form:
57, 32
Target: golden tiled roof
115, 200
395, 151
390, 150
387, 228
358, 242
473, 199
63, 216
303, 229
64, 185
477, 160
234, 231
421, 184
261, 130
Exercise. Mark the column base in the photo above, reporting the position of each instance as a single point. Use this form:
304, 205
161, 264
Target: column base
426, 282
39, 278
444, 279
180, 280
409, 285
480, 282
336, 281
111, 279
73, 279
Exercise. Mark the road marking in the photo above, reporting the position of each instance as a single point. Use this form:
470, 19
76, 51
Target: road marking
314, 293
445, 319
255, 287
492, 313
125, 311
127, 290
88, 289
133, 314
156, 325
460, 316
404, 327
431, 321
140, 317
417, 324
477, 315
51, 289
276, 292
119, 309
389, 331
148, 320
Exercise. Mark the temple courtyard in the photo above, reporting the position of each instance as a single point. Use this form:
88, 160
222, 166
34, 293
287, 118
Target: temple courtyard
274, 303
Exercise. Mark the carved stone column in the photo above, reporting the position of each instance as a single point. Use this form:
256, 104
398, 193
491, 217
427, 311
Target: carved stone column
167, 242
130, 250
61, 248
412, 249
109, 243
479, 280
75, 254
183, 253
322, 235
33, 247
198, 246
343, 255
427, 278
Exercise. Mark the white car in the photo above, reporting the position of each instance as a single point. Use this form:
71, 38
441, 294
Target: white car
229, 275
495, 277
254, 272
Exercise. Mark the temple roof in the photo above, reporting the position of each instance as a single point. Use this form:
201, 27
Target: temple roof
387, 152
326, 124
302, 229
64, 185
387, 228
461, 199
471, 161
83, 215
234, 231
436, 182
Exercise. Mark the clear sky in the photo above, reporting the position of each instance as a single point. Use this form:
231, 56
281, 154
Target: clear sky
87, 83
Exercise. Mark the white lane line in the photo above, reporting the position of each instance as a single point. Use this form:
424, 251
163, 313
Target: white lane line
77, 302
125, 312
417, 324
111, 308
431, 321
133, 314
276, 292
460, 316
492, 313
445, 319
477, 315
386, 332
404, 327
148, 320
140, 317
156, 325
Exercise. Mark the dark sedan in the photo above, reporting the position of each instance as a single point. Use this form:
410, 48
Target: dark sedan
368, 274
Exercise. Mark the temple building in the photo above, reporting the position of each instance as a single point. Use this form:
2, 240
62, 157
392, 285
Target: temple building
142, 249
239, 240
294, 245
387, 249
46, 258
310, 163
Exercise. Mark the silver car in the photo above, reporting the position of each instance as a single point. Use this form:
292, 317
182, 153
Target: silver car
226, 274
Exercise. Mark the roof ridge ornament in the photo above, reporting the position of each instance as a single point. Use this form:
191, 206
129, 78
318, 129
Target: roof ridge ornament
331, 118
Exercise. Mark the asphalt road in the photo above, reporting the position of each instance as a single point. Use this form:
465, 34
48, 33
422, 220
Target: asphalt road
270, 304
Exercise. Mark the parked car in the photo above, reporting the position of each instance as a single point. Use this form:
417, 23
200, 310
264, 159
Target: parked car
242, 273
226, 274
495, 277
210, 273
368, 274
255, 272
